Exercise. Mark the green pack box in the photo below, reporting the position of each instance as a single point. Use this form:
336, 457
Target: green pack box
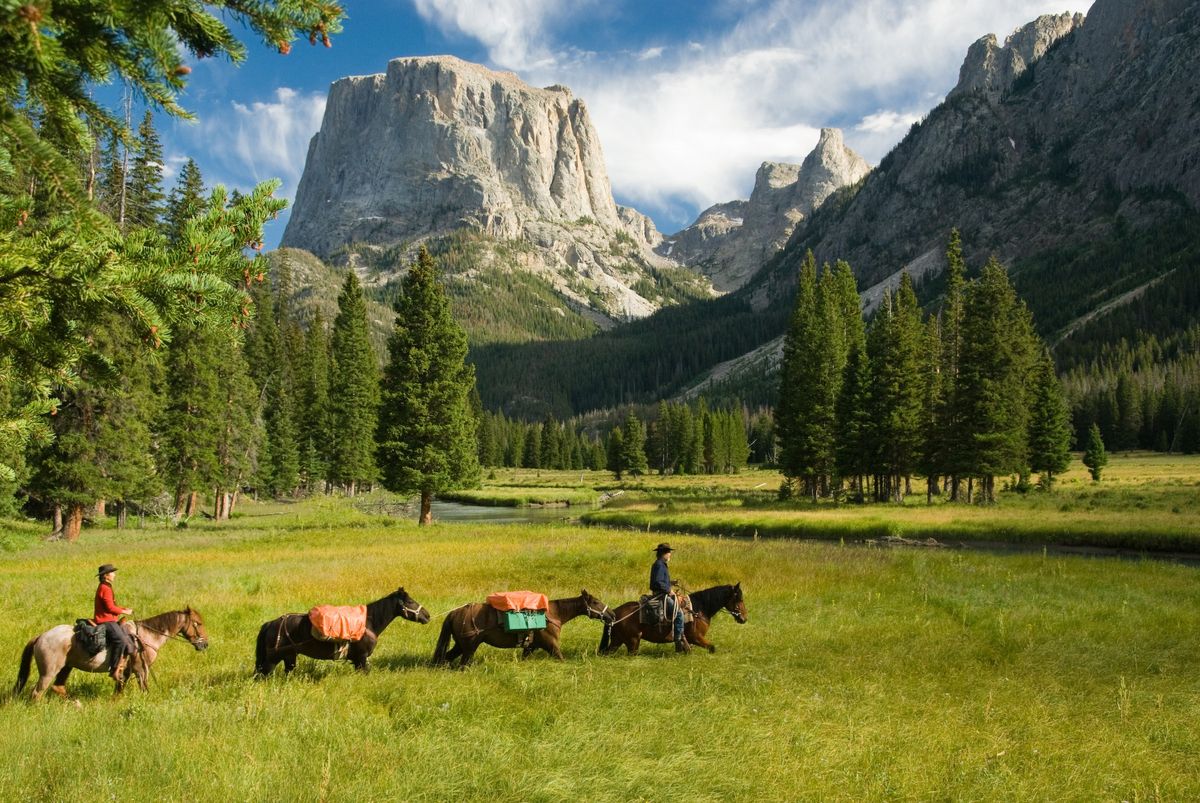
522, 620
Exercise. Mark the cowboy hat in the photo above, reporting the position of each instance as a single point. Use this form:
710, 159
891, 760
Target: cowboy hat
105, 569
661, 548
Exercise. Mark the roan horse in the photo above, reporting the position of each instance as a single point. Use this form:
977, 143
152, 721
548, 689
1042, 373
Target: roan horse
291, 635
477, 623
627, 629
57, 653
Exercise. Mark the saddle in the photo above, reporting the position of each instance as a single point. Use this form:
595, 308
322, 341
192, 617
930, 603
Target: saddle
655, 611
92, 638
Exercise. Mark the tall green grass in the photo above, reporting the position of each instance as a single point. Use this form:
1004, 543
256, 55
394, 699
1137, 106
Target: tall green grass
863, 674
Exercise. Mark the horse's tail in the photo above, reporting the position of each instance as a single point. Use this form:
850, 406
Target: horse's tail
439, 652
261, 647
606, 638
23, 670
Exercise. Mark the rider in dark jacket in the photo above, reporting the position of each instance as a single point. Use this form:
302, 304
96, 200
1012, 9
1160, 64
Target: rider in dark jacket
662, 587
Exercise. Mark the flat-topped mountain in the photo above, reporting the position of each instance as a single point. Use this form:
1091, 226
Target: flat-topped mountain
436, 145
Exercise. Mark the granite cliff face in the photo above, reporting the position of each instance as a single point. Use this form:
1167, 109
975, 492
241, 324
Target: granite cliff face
1032, 156
730, 242
437, 145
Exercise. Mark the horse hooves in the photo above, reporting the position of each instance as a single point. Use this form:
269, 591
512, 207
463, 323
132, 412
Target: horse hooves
712, 648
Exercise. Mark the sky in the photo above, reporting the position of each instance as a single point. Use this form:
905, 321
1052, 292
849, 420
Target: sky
688, 97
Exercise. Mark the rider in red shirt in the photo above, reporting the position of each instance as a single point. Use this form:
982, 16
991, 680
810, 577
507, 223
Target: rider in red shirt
107, 613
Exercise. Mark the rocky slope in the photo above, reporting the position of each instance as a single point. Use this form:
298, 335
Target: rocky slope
1026, 157
437, 145
1072, 152
730, 242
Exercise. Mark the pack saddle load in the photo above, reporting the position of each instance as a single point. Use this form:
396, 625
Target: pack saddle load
520, 610
338, 622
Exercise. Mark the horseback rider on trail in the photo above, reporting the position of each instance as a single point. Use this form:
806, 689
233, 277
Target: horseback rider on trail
662, 588
107, 612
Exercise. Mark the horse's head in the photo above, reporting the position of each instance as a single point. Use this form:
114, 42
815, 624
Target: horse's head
736, 605
595, 608
409, 608
193, 629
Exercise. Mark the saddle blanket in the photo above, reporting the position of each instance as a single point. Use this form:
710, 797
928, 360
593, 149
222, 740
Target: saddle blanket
91, 638
518, 601
338, 622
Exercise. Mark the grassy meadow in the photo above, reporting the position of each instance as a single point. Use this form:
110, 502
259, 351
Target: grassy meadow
863, 673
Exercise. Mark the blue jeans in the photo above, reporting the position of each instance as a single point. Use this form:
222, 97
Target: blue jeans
672, 605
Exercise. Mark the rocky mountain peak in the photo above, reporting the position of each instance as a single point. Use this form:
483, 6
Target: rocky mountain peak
729, 242
991, 68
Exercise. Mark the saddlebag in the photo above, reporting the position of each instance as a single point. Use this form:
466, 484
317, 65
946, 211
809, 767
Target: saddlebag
338, 622
91, 638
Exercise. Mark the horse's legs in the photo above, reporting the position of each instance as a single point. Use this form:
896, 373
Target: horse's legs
48, 669
468, 652
695, 635
634, 642
289, 663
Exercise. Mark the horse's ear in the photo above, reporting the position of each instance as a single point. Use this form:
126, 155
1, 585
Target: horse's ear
739, 585
583, 592
188, 608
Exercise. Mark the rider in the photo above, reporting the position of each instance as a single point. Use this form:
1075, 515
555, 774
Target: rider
661, 587
120, 644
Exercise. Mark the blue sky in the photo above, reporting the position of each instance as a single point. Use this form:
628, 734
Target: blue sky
688, 98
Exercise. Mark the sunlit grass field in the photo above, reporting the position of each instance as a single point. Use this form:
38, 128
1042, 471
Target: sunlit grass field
1146, 501
863, 673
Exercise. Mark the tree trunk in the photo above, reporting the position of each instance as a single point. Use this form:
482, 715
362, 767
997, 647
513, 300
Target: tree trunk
74, 523
954, 485
970, 490
122, 515
101, 509
233, 500
426, 508
193, 502
58, 519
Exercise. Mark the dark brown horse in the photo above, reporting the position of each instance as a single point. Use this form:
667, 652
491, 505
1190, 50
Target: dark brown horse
628, 631
477, 623
57, 652
291, 635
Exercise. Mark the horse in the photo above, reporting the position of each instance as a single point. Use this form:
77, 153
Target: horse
627, 629
477, 623
57, 652
291, 635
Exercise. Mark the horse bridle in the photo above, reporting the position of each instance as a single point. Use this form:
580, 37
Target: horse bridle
592, 611
185, 639
414, 611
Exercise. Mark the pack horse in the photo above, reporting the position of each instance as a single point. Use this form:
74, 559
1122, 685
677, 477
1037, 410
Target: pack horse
332, 634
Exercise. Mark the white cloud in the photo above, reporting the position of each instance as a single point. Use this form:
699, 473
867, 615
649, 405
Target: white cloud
260, 140
515, 32
687, 126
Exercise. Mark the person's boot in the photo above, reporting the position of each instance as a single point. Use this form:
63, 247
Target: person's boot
681, 645
117, 668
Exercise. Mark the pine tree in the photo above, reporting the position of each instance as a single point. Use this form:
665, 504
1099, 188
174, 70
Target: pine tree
931, 406
615, 453
313, 415
996, 357
354, 395
633, 449
144, 198
531, 451
279, 473
427, 438
949, 455
192, 421
1049, 424
1094, 456
551, 446
896, 396
186, 201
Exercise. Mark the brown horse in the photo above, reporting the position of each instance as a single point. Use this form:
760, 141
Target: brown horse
57, 652
627, 629
291, 635
477, 623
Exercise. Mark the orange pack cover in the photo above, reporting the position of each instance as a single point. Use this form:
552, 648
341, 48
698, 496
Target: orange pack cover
518, 601
339, 622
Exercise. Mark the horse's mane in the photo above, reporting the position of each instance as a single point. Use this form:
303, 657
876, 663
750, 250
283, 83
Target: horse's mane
162, 620
711, 600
